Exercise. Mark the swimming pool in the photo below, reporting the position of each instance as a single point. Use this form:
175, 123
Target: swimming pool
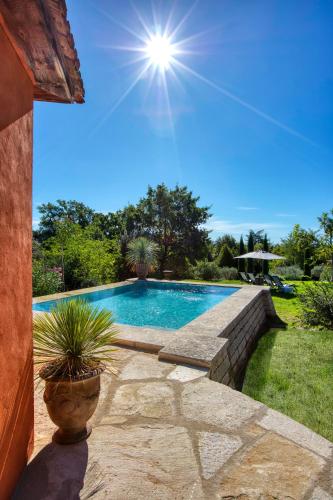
153, 304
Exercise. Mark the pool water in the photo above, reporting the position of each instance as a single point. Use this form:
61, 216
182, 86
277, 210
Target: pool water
153, 304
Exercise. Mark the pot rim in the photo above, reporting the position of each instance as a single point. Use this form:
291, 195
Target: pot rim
96, 372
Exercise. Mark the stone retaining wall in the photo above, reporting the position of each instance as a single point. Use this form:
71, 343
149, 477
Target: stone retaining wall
242, 333
223, 338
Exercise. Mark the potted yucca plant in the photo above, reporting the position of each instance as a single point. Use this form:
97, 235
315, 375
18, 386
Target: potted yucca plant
74, 344
141, 256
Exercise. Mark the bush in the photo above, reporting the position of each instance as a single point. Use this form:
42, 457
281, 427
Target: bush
290, 272
229, 273
44, 282
205, 270
317, 304
225, 257
326, 274
316, 272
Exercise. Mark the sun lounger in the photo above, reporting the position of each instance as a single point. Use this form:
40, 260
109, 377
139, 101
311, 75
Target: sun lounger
269, 280
276, 283
252, 278
244, 277
283, 286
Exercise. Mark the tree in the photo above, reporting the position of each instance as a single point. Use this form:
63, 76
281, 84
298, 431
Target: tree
250, 248
173, 219
300, 247
62, 211
326, 224
87, 257
241, 251
257, 236
110, 224
226, 239
265, 248
256, 241
307, 262
225, 258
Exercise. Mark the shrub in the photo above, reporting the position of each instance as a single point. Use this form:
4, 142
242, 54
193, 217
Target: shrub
316, 272
229, 273
205, 270
290, 272
225, 257
326, 274
89, 258
317, 304
44, 282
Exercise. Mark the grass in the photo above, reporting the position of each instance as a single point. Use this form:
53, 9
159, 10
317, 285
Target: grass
291, 369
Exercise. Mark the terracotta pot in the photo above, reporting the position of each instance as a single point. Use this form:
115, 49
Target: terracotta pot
142, 271
70, 405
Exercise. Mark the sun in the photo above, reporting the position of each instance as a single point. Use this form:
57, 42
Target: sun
160, 51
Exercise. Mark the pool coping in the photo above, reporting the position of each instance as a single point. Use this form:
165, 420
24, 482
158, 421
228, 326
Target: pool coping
200, 342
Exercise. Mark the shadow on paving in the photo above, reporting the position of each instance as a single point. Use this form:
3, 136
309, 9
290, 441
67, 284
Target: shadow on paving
56, 473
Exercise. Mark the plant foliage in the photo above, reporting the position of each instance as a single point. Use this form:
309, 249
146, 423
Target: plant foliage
174, 221
326, 274
326, 224
44, 282
229, 273
317, 304
142, 251
241, 251
289, 272
316, 272
204, 270
86, 255
225, 257
73, 340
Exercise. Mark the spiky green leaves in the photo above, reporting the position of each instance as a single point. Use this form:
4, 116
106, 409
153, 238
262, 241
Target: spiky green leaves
142, 251
74, 339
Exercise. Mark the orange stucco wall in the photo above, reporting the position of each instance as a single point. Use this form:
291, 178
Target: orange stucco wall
16, 377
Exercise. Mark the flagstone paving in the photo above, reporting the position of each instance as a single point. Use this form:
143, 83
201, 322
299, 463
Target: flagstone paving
163, 431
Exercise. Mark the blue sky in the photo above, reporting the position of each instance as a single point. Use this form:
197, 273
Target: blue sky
250, 122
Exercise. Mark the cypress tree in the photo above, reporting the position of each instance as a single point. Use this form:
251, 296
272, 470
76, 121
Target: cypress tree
250, 248
265, 248
241, 262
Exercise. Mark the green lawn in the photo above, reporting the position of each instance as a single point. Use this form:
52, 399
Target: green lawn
291, 369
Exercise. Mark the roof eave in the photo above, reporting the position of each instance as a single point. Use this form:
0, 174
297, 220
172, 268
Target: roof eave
40, 34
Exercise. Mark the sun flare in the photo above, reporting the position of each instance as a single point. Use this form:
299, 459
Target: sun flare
160, 51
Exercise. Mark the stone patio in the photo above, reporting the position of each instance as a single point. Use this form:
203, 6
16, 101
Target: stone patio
165, 431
